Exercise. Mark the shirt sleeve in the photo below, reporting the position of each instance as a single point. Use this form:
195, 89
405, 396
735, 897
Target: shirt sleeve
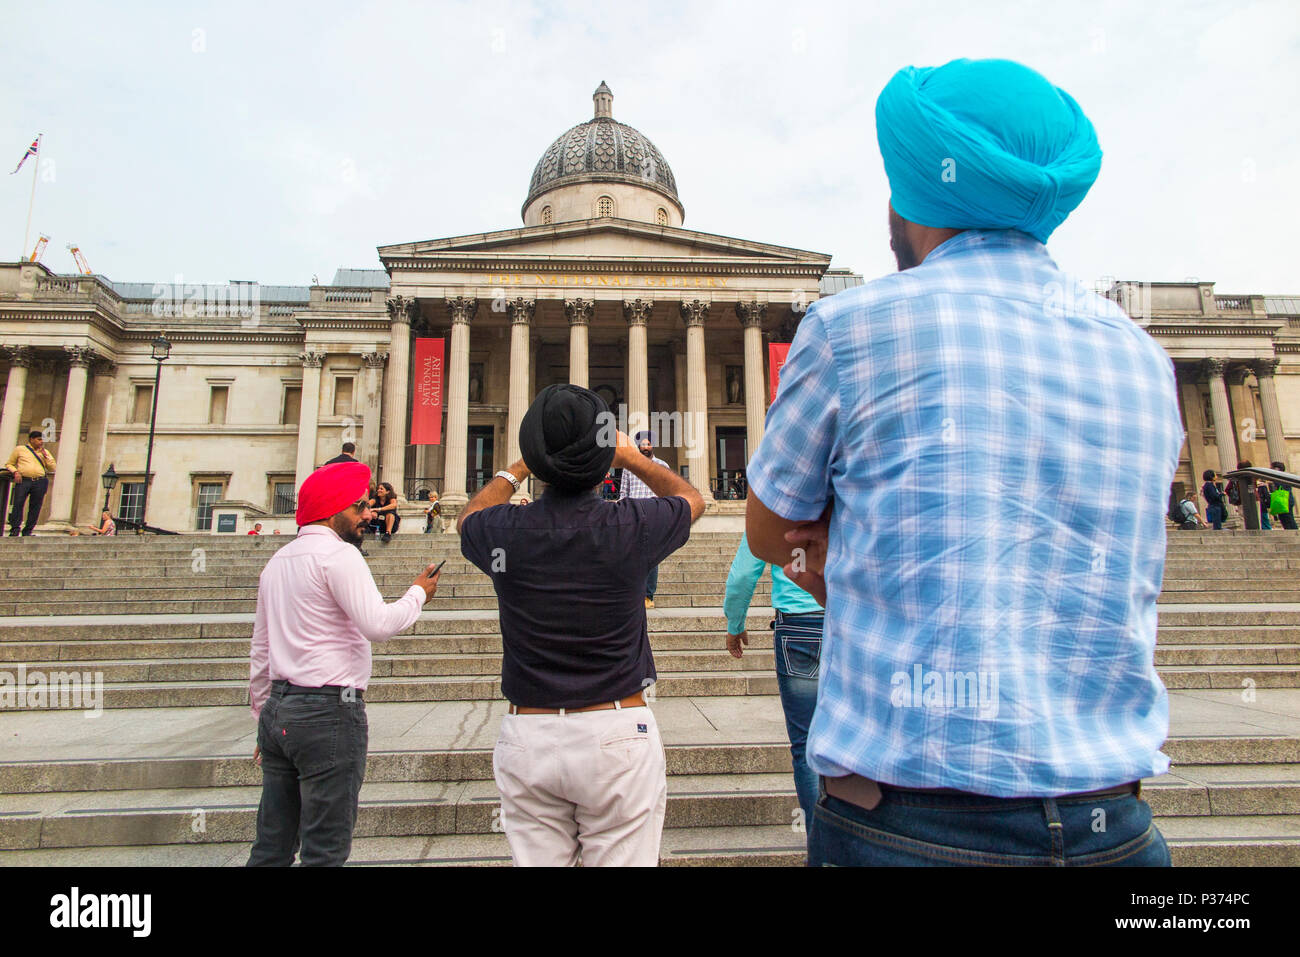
353, 587
665, 524
743, 578
473, 540
791, 471
259, 662
12, 461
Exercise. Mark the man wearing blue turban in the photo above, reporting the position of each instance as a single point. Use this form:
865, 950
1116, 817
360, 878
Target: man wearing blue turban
967, 463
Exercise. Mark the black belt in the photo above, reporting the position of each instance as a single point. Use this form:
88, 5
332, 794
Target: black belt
288, 688
866, 793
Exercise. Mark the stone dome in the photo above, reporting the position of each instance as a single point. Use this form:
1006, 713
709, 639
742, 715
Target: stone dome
602, 150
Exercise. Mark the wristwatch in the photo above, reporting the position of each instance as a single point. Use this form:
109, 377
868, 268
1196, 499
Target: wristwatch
509, 477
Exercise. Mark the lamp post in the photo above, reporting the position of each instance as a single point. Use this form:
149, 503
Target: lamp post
109, 479
161, 350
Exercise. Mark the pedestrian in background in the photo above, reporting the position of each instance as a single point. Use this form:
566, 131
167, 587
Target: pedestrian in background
31, 465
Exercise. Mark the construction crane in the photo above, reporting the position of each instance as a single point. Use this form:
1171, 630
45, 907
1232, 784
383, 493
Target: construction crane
83, 267
41, 243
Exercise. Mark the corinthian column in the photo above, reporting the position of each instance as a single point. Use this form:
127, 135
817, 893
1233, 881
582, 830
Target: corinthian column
369, 444
1225, 435
308, 413
397, 392
20, 358
579, 313
69, 448
521, 319
751, 315
637, 313
1265, 369
461, 309
694, 312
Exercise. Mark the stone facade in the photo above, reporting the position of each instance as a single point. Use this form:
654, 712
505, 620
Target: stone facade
264, 383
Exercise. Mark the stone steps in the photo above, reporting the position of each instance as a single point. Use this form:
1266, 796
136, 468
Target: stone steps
1213, 812
201, 692
1250, 645
710, 657
665, 599
1229, 799
699, 847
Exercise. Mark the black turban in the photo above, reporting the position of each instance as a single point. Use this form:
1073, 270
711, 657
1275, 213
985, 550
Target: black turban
559, 438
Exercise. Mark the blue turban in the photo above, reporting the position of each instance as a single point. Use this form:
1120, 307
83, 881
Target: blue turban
984, 144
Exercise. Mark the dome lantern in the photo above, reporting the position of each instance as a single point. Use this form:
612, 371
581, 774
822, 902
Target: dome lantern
599, 166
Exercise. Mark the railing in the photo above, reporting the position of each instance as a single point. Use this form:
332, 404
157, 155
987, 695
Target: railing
284, 503
730, 485
413, 486
348, 295
1232, 303
58, 285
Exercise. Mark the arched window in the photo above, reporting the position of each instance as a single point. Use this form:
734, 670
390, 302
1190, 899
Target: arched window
604, 207
661, 216
546, 215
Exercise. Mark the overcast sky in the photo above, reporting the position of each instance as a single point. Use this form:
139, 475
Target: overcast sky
274, 141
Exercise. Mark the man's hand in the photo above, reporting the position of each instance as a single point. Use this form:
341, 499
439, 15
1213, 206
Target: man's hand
257, 755
427, 582
807, 567
735, 641
625, 451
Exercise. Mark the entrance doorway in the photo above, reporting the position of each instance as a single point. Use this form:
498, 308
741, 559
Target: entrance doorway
478, 463
733, 452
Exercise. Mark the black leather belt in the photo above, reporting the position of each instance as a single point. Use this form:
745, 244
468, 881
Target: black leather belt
288, 688
866, 793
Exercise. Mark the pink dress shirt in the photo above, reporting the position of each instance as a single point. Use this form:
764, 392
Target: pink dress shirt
318, 610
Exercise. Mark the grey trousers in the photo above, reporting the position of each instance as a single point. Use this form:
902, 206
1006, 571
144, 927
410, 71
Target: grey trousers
313, 763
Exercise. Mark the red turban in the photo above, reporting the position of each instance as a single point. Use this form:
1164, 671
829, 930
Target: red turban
331, 489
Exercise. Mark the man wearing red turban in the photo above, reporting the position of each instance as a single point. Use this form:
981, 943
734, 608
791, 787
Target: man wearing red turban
318, 610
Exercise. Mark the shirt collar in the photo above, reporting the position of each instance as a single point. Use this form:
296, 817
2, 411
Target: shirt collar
318, 530
972, 240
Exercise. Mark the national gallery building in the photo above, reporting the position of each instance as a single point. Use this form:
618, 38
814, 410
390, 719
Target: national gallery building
602, 286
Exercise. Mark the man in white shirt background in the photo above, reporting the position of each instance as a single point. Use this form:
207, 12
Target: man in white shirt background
633, 487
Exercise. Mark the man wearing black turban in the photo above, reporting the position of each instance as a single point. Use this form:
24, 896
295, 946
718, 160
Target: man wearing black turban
579, 762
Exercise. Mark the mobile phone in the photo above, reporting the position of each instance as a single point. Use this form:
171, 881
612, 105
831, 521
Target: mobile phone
438, 569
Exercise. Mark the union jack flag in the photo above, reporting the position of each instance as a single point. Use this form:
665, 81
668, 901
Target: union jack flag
31, 151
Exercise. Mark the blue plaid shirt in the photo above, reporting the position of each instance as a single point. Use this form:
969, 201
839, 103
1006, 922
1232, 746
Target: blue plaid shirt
998, 444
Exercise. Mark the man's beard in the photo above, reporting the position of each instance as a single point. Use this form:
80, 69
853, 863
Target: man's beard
347, 529
904, 255
648, 453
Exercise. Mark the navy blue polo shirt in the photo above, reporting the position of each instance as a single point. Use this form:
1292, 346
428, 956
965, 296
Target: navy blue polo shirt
569, 573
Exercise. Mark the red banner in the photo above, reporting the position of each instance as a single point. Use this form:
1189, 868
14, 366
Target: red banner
426, 393
776, 353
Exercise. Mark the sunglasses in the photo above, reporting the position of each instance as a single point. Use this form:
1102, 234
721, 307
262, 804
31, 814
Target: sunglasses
361, 503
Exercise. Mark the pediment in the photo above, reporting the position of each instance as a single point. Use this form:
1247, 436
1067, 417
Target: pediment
604, 240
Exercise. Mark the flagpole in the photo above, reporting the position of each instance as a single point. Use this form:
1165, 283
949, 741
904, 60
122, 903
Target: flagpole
31, 202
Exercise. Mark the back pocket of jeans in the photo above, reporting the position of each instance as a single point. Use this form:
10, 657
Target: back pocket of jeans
802, 656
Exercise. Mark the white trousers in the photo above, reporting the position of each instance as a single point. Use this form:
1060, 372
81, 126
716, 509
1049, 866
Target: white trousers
589, 786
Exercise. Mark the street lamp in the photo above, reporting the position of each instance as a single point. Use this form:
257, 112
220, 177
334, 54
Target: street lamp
109, 479
161, 350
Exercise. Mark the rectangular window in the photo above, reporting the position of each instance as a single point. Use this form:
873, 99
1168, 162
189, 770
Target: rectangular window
217, 404
131, 501
283, 498
209, 493
292, 405
343, 396
143, 404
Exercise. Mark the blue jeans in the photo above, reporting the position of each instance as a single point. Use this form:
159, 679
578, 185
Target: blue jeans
937, 830
1214, 515
797, 644
652, 582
